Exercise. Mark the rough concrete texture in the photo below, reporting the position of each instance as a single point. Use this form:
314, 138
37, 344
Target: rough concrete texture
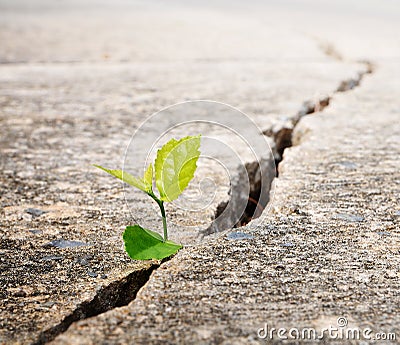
329, 248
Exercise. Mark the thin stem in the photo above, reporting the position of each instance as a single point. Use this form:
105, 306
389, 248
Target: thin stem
164, 220
160, 203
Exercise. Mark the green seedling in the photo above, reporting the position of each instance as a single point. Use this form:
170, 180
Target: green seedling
174, 168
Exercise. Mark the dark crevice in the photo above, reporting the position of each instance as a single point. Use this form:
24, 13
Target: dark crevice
253, 209
116, 294
259, 174
123, 291
282, 134
283, 138
351, 83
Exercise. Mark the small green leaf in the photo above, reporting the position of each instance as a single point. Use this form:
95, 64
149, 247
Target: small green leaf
175, 166
148, 176
128, 178
143, 244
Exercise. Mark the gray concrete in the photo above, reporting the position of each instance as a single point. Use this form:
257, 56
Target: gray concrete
330, 248
77, 80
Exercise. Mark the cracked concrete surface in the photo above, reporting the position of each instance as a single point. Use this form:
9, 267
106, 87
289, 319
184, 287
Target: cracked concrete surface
329, 247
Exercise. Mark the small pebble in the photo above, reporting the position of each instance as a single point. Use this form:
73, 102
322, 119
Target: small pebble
236, 236
348, 217
35, 212
348, 165
65, 244
287, 244
92, 274
82, 261
48, 304
35, 231
52, 257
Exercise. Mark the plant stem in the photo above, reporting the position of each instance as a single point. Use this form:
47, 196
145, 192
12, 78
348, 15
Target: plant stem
160, 203
164, 220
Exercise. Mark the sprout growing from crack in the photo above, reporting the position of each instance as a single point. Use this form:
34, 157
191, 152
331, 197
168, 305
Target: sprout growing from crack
174, 168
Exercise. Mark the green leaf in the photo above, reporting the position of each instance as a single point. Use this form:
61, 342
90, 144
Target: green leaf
148, 176
143, 244
128, 178
175, 166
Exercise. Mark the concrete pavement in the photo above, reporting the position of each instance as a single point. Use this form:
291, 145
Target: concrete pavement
328, 248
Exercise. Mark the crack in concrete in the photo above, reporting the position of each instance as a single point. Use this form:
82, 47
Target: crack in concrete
117, 294
351, 83
259, 173
123, 291
283, 138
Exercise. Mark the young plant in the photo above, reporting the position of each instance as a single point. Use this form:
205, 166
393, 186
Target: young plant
173, 169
